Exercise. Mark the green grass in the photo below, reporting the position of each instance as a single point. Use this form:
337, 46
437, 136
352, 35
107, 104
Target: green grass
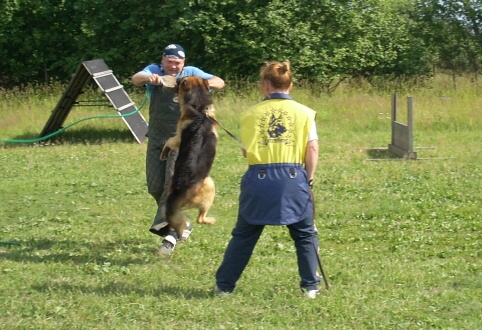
400, 240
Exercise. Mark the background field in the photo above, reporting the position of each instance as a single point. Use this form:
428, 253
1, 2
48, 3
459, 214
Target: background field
400, 240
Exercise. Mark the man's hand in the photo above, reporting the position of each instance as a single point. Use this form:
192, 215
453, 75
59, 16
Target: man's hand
140, 79
154, 79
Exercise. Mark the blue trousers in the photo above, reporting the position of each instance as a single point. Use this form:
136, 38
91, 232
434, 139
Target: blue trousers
241, 246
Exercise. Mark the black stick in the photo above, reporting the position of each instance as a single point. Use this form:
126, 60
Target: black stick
321, 267
314, 244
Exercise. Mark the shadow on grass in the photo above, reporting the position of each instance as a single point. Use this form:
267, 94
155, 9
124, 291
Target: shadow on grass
117, 253
92, 258
121, 289
381, 153
86, 136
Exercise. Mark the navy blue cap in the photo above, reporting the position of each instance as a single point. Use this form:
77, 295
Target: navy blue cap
174, 51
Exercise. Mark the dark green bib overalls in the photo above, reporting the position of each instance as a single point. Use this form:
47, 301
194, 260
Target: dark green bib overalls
163, 117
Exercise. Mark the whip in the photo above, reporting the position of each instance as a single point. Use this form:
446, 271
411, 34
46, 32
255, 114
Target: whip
325, 280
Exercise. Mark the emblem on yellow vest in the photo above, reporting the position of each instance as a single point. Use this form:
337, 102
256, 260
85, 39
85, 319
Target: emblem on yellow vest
276, 127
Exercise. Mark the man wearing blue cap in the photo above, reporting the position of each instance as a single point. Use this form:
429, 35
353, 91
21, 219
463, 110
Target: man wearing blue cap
163, 117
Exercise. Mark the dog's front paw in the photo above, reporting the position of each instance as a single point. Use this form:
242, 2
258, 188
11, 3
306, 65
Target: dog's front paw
165, 153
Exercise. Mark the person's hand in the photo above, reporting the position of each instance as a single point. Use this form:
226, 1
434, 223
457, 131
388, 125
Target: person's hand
310, 183
154, 79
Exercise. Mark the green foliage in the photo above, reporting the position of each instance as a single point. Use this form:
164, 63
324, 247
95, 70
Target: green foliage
39, 39
451, 29
328, 41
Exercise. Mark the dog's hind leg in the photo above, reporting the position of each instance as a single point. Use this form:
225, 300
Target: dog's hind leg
204, 200
178, 222
202, 218
174, 215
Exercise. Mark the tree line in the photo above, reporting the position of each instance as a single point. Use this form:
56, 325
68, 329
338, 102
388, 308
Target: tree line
327, 41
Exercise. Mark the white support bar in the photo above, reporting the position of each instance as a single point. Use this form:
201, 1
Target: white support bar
125, 106
102, 74
113, 89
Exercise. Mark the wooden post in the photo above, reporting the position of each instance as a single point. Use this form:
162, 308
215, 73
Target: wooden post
394, 115
410, 125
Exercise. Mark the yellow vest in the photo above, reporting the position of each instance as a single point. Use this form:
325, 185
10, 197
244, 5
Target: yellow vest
276, 131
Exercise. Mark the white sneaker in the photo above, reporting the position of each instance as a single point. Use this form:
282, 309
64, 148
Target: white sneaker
220, 293
310, 293
168, 245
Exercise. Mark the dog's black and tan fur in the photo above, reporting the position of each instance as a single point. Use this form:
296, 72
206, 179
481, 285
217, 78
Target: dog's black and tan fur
196, 139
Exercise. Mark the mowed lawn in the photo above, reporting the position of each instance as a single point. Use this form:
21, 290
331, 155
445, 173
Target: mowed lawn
400, 239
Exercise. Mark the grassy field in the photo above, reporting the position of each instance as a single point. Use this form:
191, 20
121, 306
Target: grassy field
400, 240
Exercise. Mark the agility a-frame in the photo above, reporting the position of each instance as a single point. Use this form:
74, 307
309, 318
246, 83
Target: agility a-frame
112, 89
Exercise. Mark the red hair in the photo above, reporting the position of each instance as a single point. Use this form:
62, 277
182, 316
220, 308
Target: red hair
277, 73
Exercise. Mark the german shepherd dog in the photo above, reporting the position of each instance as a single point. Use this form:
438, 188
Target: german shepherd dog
196, 139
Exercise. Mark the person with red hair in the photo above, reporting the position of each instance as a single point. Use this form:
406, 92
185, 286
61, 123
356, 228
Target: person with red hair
280, 144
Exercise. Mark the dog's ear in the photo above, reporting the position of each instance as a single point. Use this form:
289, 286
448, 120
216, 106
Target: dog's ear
183, 83
179, 82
